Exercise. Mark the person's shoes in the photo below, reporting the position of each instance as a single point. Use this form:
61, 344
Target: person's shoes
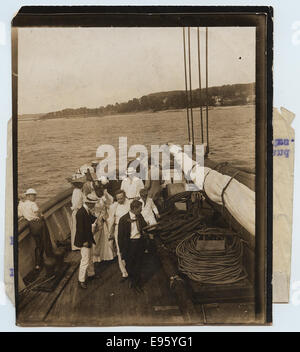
123, 279
82, 285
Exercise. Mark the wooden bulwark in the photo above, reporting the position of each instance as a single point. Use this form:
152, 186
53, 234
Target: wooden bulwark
57, 215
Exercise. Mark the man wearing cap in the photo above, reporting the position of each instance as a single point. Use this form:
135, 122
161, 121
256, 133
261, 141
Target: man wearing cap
84, 238
30, 211
132, 242
132, 185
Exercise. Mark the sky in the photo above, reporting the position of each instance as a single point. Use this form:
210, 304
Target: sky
62, 68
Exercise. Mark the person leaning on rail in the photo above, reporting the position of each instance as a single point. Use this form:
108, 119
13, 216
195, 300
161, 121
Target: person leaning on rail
30, 211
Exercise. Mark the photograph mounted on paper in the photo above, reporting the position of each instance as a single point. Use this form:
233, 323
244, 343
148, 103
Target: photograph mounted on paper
140, 168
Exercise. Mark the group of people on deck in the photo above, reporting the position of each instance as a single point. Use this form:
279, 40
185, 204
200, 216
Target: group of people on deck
105, 226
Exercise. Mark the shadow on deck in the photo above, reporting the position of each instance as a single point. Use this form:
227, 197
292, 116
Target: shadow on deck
107, 302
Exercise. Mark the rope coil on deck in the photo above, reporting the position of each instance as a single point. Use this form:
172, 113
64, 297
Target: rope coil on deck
211, 266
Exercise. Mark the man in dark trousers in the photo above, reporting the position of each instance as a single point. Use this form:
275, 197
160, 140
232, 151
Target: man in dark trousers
132, 243
84, 238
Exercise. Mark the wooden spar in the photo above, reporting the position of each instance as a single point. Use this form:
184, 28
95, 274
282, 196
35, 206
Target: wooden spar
190, 88
207, 140
200, 97
197, 172
186, 88
246, 178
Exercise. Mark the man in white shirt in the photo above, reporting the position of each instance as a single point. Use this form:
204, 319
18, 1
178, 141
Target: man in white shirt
116, 211
30, 211
132, 242
149, 209
132, 185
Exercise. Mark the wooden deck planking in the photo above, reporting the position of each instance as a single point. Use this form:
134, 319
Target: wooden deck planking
242, 291
107, 302
230, 313
34, 306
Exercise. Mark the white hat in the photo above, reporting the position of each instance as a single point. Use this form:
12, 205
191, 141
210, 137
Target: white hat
30, 191
94, 162
131, 170
84, 169
103, 180
91, 198
77, 178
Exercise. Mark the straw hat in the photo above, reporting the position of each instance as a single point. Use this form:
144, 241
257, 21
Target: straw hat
91, 198
30, 191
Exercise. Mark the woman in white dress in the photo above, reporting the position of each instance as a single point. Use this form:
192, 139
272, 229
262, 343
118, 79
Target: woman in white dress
103, 249
77, 202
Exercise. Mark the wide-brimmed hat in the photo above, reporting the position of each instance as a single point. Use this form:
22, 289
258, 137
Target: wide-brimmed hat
94, 162
30, 191
77, 178
84, 169
131, 171
104, 180
91, 198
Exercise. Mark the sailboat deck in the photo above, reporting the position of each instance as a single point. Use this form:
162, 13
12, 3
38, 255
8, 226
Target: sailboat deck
107, 302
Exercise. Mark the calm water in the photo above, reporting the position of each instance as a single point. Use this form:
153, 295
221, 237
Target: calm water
51, 150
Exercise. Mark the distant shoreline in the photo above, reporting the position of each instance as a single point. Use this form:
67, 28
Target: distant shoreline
41, 117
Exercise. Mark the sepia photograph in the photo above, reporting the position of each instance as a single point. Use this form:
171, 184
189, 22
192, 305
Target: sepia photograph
140, 172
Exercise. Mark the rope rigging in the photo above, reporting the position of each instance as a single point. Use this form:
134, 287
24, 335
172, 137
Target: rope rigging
200, 96
188, 87
191, 90
207, 141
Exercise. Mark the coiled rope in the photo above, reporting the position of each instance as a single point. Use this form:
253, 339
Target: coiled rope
211, 266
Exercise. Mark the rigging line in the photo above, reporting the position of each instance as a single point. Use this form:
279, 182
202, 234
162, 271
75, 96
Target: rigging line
200, 97
186, 88
207, 140
190, 78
